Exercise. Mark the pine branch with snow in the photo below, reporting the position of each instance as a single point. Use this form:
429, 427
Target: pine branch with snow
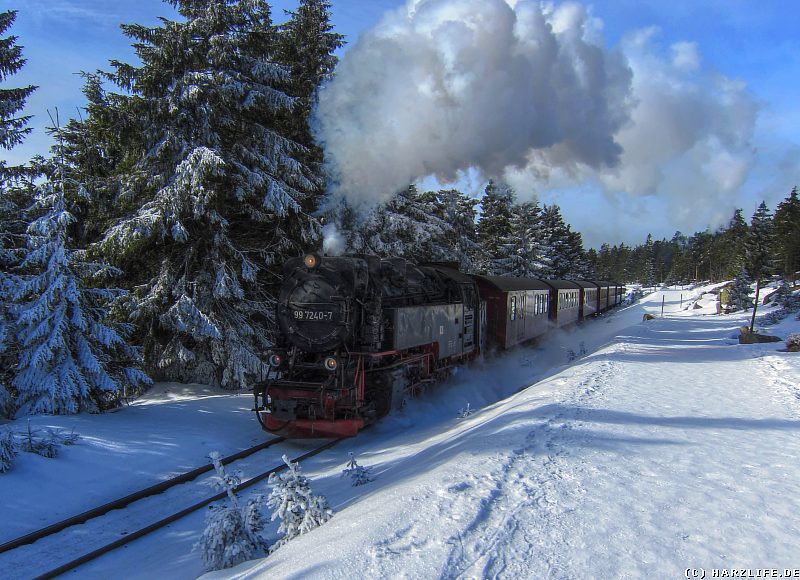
293, 502
232, 532
358, 474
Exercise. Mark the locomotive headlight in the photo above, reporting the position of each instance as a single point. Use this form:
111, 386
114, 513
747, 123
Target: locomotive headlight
331, 363
311, 261
275, 360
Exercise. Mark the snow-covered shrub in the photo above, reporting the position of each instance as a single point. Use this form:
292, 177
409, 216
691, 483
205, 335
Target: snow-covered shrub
787, 303
8, 451
793, 342
46, 443
233, 532
293, 502
465, 412
358, 474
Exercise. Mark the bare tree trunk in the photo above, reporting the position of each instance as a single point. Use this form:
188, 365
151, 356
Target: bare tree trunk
755, 305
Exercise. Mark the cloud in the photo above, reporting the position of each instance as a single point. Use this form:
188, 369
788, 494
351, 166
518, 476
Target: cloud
442, 86
687, 141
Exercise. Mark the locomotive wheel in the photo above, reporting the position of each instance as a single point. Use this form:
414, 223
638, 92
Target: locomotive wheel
379, 393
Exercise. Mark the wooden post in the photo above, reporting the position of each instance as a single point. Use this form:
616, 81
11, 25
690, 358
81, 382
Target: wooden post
662, 306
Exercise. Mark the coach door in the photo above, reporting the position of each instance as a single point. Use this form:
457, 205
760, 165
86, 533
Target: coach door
470, 301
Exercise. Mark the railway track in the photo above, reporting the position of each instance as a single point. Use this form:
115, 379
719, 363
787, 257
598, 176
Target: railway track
128, 536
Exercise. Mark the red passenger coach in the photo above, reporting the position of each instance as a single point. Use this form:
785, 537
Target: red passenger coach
565, 302
590, 298
517, 309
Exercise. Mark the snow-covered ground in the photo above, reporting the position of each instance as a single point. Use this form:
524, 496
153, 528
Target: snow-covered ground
666, 446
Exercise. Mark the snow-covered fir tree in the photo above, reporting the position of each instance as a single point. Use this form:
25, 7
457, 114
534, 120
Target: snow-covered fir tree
787, 235
13, 127
93, 150
740, 295
460, 243
557, 244
648, 266
759, 251
579, 263
409, 226
358, 474
232, 533
293, 502
733, 245
495, 231
14, 193
528, 258
307, 46
71, 357
217, 191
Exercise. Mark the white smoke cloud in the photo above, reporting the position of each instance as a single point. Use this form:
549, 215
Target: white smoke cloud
333, 244
445, 85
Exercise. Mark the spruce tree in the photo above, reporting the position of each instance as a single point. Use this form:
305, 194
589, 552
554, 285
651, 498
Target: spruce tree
787, 235
459, 242
13, 128
307, 44
71, 358
556, 243
14, 194
409, 226
529, 258
579, 263
740, 297
495, 230
759, 251
733, 245
218, 193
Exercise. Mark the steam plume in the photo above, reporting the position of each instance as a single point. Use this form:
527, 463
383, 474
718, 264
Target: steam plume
441, 86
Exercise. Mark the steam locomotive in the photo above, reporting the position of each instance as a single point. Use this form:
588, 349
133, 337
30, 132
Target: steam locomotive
359, 334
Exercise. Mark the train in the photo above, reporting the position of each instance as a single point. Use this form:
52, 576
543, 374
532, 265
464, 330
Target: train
359, 334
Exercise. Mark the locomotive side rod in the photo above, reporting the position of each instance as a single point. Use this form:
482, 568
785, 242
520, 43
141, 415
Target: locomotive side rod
129, 499
128, 538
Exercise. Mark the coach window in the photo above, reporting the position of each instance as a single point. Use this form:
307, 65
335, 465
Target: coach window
513, 308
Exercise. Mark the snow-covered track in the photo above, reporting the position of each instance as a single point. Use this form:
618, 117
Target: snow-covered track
129, 499
131, 536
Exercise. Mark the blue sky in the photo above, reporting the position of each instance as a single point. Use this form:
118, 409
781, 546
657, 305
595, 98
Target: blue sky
754, 44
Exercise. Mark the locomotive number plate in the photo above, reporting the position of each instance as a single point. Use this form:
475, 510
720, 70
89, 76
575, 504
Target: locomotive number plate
313, 315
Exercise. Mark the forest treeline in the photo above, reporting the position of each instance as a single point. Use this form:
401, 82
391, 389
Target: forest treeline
149, 242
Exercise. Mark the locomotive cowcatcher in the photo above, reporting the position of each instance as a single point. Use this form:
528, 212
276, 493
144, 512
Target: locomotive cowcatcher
357, 334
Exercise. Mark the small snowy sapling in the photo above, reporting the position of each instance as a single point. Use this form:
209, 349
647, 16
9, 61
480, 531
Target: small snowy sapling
466, 412
8, 451
358, 474
293, 502
232, 532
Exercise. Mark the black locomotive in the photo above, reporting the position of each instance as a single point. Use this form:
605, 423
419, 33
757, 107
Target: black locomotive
359, 333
